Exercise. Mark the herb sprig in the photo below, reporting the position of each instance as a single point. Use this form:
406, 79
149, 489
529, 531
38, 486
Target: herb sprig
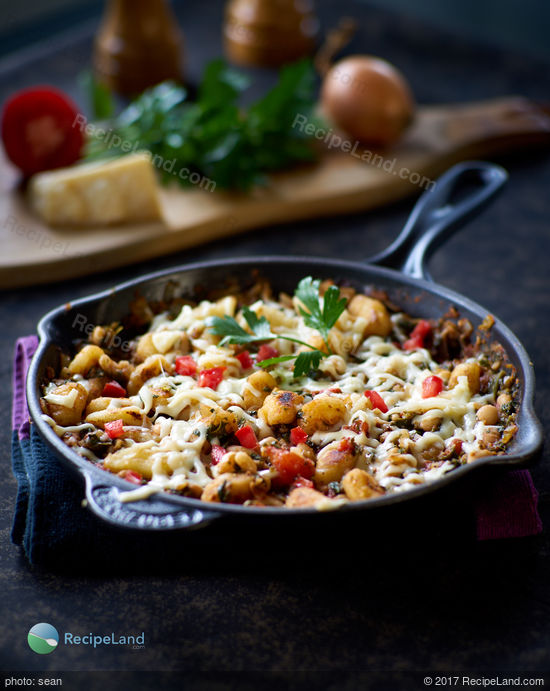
213, 135
321, 316
317, 317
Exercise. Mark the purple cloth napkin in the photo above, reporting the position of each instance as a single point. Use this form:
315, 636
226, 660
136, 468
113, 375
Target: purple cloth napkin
507, 509
24, 350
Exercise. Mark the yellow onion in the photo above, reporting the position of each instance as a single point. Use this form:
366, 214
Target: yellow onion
368, 98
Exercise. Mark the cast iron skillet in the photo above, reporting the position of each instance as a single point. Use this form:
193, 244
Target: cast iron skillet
437, 214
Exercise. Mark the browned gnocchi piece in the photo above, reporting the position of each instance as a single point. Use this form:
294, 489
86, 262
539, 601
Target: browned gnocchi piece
375, 314
281, 407
131, 415
103, 402
152, 367
121, 370
301, 497
257, 388
322, 413
236, 462
334, 460
358, 484
66, 403
472, 370
235, 487
85, 359
219, 421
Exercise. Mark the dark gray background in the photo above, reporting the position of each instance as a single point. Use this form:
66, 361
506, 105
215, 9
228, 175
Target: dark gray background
520, 24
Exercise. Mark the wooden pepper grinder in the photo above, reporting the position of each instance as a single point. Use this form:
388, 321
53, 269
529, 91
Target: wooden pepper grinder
139, 44
269, 33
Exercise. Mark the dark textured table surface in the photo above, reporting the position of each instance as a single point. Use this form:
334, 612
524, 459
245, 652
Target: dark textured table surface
458, 607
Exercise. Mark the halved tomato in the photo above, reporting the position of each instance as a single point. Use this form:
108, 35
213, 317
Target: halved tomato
41, 130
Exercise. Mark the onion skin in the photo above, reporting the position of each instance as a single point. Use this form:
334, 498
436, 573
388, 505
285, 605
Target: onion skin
369, 99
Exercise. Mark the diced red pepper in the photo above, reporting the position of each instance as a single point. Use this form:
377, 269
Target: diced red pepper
454, 446
114, 390
302, 482
346, 444
245, 359
114, 429
412, 344
418, 335
377, 401
247, 437
211, 377
422, 329
186, 366
334, 390
298, 436
289, 465
266, 352
132, 476
217, 453
432, 386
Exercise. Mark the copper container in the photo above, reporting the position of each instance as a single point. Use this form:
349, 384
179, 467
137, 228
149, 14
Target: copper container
138, 45
269, 32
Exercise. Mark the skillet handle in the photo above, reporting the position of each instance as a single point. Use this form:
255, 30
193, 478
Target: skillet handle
457, 196
152, 514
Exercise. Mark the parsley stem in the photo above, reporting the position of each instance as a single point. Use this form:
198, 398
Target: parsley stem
296, 340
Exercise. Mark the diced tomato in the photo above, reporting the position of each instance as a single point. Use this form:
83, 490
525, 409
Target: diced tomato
298, 436
289, 465
245, 359
114, 429
418, 335
334, 390
217, 453
432, 386
377, 401
266, 352
132, 476
412, 344
454, 446
211, 377
186, 366
302, 482
114, 390
346, 444
41, 130
247, 437
422, 329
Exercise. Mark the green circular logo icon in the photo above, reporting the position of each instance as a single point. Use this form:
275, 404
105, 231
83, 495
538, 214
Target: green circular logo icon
43, 639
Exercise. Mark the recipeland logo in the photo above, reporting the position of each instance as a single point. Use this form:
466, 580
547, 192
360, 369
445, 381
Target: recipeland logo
43, 639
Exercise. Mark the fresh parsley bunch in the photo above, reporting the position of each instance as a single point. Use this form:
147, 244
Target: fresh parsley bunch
213, 136
318, 315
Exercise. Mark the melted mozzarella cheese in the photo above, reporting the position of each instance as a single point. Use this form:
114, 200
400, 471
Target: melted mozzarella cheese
398, 456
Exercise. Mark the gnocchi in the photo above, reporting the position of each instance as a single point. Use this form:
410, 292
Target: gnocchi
231, 418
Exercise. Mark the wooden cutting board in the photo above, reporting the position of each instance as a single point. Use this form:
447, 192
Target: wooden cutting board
340, 183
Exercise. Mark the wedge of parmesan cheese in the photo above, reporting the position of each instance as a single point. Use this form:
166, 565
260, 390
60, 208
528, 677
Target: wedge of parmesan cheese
99, 193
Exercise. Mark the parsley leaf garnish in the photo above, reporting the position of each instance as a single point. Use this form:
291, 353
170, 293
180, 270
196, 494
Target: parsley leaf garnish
259, 325
230, 329
320, 317
233, 332
307, 361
